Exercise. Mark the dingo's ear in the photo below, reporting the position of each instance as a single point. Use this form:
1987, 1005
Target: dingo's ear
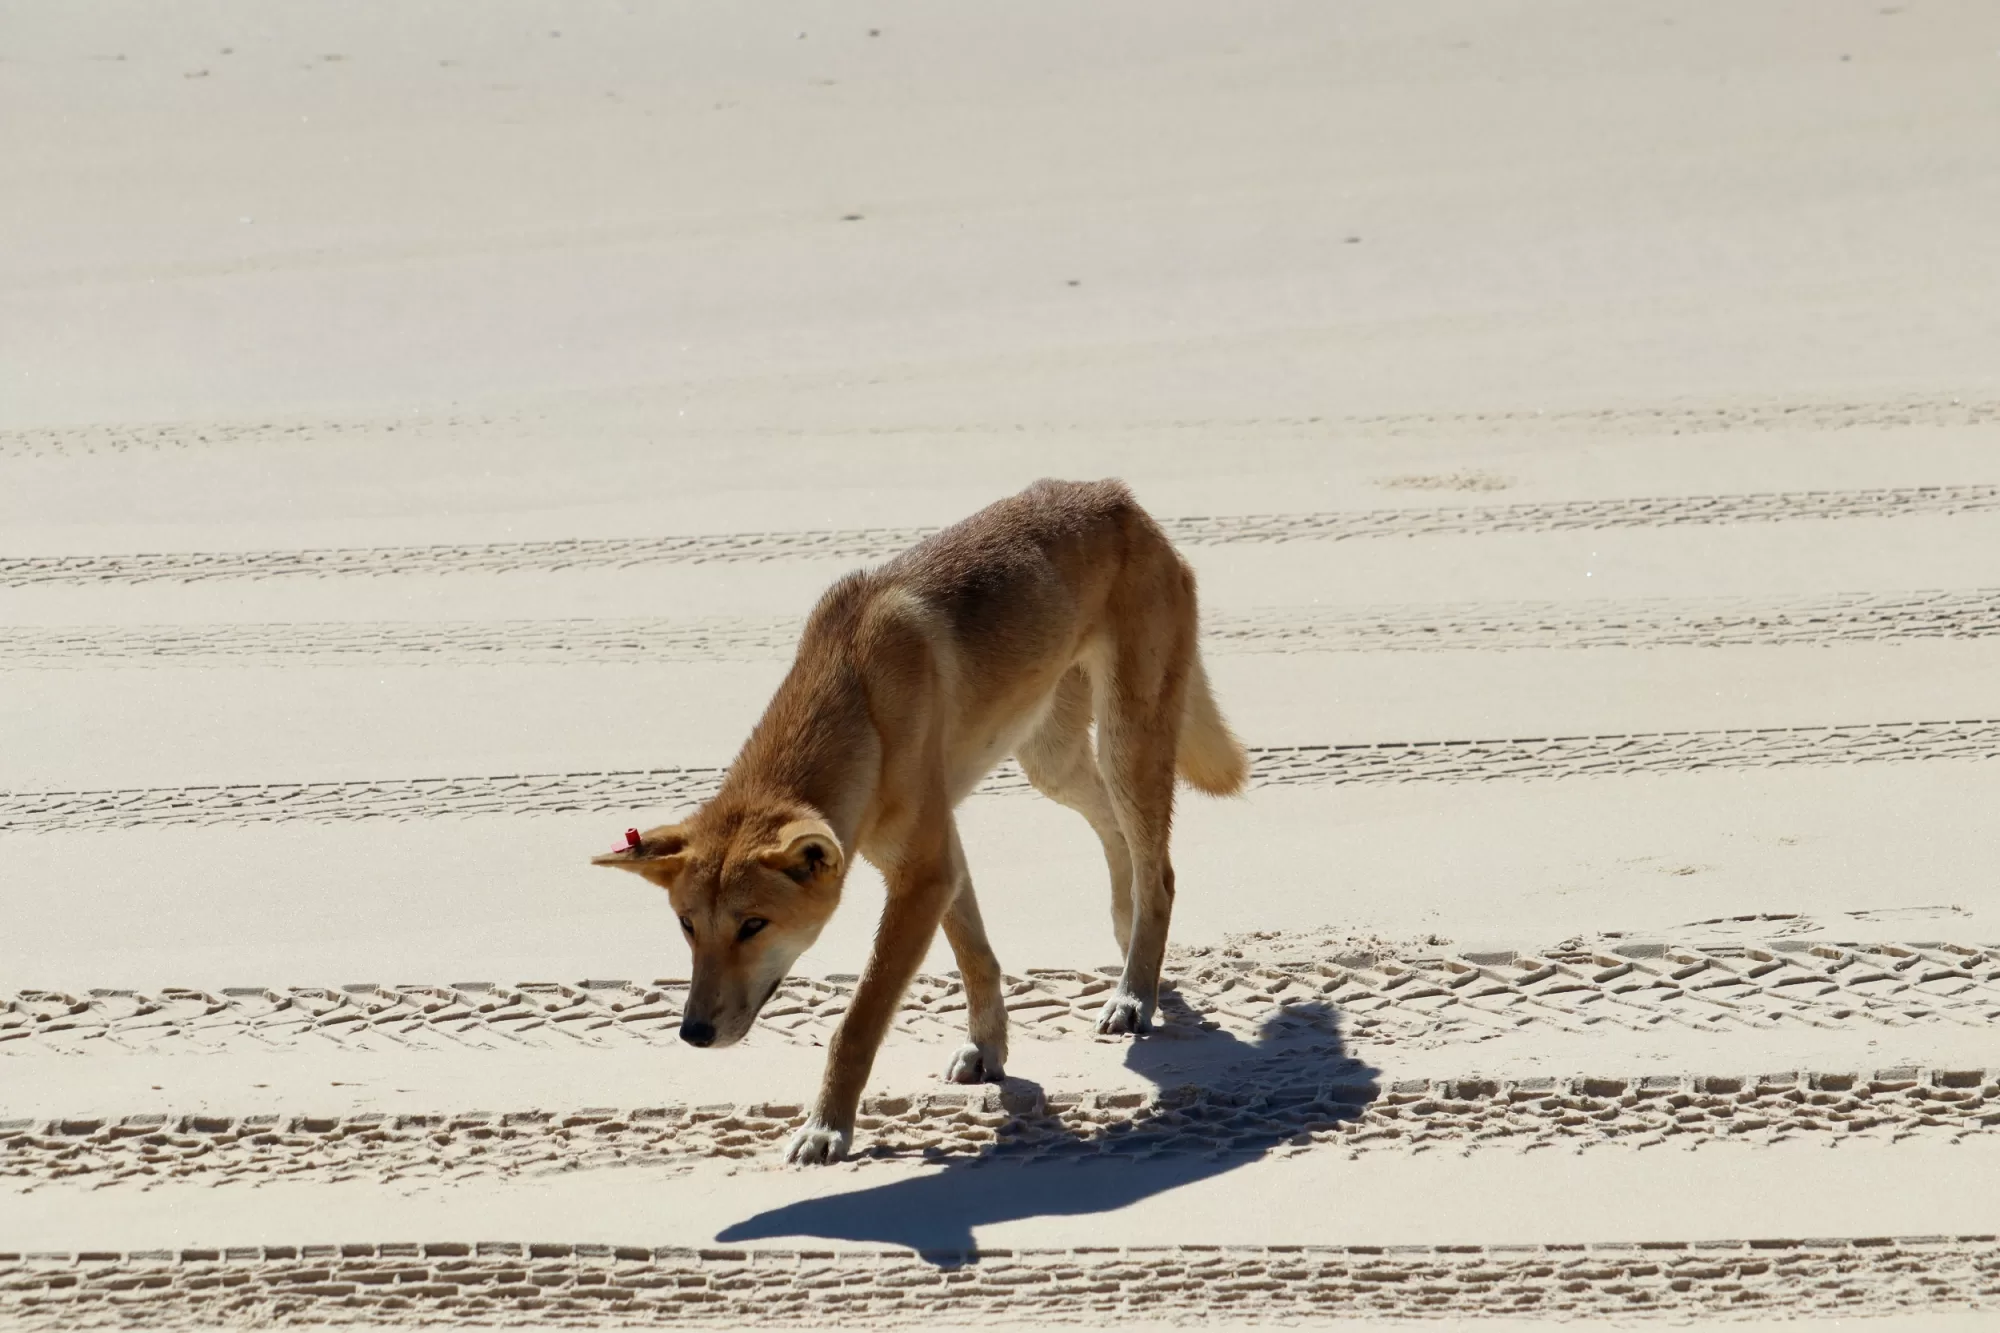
658, 854
806, 850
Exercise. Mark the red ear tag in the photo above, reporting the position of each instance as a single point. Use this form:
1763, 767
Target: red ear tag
632, 839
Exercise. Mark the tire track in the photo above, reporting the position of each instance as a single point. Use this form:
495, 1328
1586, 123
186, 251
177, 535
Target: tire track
1647, 623
1708, 622
169, 436
1409, 997
1673, 419
1271, 766
379, 643
877, 543
624, 1286
1019, 1124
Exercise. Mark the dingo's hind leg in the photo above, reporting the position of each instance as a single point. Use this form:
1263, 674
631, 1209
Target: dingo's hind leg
1061, 764
1141, 683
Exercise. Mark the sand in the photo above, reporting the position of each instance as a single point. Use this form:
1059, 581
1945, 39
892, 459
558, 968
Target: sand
424, 427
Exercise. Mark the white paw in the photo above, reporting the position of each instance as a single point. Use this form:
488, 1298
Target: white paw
974, 1064
1125, 1014
817, 1145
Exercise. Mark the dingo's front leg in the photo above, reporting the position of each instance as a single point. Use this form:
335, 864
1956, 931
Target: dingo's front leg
819, 1143
983, 1058
917, 898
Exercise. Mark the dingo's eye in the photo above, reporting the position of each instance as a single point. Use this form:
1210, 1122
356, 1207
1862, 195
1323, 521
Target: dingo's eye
751, 927
688, 926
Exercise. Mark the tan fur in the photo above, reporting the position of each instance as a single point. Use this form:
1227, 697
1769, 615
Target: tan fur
1009, 633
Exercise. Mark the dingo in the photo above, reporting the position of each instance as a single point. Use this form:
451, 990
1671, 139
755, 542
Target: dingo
1005, 634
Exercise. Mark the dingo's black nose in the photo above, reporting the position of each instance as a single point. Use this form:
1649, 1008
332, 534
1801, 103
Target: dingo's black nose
697, 1033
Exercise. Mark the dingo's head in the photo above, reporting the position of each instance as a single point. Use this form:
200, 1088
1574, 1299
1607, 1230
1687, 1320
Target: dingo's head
752, 894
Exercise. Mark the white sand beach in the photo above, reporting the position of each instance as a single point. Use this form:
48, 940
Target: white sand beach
424, 427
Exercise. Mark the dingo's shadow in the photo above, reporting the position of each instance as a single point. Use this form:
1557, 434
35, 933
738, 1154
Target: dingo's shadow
1224, 1104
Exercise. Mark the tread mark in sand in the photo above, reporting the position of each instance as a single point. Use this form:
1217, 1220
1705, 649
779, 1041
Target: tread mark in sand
1247, 1118
1673, 418
1640, 623
1546, 757
413, 1285
877, 543
1418, 999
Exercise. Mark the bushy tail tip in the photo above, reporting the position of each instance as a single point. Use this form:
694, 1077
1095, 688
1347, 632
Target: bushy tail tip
1209, 758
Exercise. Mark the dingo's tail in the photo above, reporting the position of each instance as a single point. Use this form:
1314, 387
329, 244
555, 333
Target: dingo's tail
1208, 757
